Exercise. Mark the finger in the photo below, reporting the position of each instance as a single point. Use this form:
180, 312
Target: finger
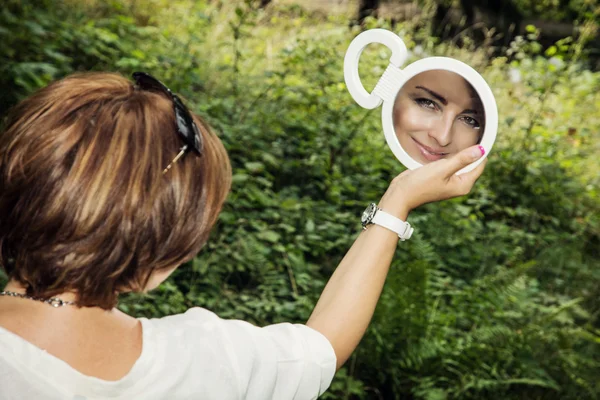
466, 181
462, 159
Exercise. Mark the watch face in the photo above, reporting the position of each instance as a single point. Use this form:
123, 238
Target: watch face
368, 214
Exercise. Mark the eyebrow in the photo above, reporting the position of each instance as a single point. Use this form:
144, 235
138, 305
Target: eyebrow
434, 94
443, 99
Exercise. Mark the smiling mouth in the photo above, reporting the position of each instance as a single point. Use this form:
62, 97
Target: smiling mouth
429, 150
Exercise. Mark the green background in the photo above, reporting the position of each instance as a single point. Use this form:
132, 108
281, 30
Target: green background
496, 296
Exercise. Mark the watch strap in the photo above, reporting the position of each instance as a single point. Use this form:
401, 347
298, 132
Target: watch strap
388, 221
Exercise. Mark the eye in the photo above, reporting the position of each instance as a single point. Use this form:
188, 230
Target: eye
471, 122
427, 103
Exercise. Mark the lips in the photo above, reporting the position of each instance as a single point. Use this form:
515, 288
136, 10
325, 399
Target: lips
429, 153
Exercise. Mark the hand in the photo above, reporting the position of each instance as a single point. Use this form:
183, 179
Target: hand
432, 182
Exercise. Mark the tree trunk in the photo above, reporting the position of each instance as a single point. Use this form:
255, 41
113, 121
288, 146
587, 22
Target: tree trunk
367, 8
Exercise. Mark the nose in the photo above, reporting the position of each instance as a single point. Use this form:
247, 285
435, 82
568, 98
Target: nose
441, 132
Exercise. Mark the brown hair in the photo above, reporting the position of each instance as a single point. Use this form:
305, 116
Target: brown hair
84, 204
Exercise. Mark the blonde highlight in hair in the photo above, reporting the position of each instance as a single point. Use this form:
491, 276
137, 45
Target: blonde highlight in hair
84, 204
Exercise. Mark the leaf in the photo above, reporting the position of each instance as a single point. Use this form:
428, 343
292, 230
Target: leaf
254, 166
269, 236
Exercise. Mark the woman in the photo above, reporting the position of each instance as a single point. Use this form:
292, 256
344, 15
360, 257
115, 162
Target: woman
436, 115
107, 187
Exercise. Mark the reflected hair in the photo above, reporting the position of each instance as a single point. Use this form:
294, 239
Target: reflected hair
478, 106
84, 204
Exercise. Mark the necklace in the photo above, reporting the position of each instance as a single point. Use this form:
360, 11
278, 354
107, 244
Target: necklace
53, 301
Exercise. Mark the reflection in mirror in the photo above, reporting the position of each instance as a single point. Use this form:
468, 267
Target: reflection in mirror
437, 113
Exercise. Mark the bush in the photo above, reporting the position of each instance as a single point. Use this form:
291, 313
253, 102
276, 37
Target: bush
496, 296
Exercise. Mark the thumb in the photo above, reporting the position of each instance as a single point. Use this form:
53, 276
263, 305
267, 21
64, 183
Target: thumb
464, 158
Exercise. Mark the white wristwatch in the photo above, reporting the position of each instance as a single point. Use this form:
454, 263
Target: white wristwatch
375, 215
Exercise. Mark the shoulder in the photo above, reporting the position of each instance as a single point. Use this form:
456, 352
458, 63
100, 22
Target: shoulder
276, 361
291, 339
194, 317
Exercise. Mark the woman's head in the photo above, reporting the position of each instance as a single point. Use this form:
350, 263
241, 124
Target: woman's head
436, 114
84, 204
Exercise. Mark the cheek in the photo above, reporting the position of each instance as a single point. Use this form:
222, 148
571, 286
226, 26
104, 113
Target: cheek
466, 138
411, 119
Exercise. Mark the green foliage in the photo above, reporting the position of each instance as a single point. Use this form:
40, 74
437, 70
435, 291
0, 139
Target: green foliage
495, 296
553, 10
558, 10
40, 43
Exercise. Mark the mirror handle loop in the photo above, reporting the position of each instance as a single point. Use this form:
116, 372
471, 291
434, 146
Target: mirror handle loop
355, 87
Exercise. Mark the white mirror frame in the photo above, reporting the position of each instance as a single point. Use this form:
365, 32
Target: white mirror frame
394, 78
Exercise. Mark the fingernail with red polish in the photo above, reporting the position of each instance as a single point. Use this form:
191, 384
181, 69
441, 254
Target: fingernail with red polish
481, 149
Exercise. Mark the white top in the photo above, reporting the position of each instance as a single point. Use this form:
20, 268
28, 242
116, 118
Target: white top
195, 355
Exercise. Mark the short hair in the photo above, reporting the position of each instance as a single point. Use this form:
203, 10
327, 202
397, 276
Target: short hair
84, 204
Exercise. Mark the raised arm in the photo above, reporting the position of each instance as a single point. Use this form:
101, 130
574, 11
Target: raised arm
348, 301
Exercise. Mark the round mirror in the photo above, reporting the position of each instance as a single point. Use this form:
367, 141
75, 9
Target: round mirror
433, 108
436, 114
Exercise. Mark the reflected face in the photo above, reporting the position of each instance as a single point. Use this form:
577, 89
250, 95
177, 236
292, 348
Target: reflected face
437, 114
